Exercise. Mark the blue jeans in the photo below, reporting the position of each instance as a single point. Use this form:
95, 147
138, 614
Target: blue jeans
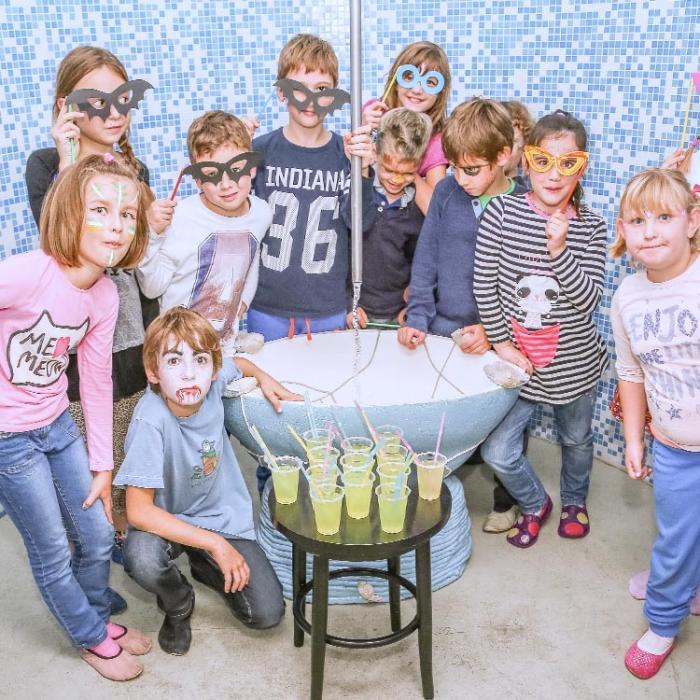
150, 561
503, 451
274, 327
44, 479
675, 558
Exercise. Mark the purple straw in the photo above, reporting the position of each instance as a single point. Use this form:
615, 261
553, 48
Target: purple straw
440, 431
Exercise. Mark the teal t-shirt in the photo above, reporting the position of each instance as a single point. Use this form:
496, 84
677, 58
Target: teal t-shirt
189, 462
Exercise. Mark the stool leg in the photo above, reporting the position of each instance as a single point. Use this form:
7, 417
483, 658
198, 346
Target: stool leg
425, 618
298, 580
319, 625
393, 566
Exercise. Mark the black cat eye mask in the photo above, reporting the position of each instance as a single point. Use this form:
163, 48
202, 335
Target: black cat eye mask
96, 103
324, 101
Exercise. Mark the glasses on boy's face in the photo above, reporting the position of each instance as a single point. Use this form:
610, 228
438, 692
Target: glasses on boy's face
567, 163
470, 170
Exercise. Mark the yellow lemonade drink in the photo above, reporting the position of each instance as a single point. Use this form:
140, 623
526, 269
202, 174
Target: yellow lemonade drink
357, 444
392, 508
391, 453
430, 468
285, 478
327, 504
389, 435
321, 439
393, 473
320, 456
352, 461
358, 492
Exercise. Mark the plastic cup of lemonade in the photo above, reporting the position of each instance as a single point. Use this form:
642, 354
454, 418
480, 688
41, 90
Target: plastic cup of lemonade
393, 473
358, 492
356, 461
327, 504
321, 439
430, 467
357, 444
392, 507
388, 435
285, 478
318, 456
391, 452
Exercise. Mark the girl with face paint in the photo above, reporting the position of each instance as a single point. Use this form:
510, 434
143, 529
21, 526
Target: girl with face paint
53, 301
419, 80
91, 111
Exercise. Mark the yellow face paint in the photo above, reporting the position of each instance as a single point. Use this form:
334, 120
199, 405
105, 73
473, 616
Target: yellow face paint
131, 230
94, 225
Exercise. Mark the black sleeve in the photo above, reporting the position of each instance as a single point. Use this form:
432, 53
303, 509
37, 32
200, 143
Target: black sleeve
144, 174
41, 170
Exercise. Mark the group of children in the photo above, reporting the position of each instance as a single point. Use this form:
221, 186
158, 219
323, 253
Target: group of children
482, 254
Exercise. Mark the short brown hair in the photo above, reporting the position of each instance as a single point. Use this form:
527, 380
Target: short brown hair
520, 117
434, 58
213, 130
404, 133
656, 190
183, 325
310, 53
63, 211
477, 128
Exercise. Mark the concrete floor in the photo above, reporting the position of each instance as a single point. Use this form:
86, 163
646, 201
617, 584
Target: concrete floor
550, 622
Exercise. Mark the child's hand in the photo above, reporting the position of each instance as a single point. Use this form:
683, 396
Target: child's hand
251, 124
160, 214
508, 352
361, 318
63, 130
556, 230
410, 337
101, 487
634, 460
672, 161
274, 392
232, 564
359, 143
474, 340
372, 114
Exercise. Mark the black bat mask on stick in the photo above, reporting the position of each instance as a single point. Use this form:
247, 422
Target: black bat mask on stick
211, 171
324, 102
96, 103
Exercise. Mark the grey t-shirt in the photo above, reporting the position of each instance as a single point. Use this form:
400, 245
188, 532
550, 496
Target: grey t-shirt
189, 462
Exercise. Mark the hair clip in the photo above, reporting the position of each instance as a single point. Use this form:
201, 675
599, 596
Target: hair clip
561, 113
108, 158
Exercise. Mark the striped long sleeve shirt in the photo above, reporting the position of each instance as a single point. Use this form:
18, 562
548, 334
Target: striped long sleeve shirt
543, 305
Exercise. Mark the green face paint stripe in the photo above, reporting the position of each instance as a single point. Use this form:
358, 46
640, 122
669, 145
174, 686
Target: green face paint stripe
97, 190
121, 189
94, 224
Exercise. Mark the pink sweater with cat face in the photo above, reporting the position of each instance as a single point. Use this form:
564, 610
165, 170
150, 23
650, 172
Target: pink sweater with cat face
42, 317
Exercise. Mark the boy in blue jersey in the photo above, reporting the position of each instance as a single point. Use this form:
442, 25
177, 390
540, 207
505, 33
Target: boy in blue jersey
304, 171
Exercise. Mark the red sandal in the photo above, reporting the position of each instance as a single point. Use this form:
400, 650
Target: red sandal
527, 527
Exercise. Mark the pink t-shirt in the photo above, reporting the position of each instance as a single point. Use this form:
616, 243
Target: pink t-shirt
42, 317
434, 155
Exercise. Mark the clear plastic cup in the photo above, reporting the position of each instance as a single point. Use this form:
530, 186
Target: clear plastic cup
392, 453
389, 435
357, 444
319, 456
318, 475
392, 507
393, 474
327, 504
352, 461
430, 469
358, 492
285, 478
321, 439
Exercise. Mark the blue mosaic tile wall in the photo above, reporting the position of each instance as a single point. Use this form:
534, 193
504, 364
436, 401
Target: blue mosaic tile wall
622, 67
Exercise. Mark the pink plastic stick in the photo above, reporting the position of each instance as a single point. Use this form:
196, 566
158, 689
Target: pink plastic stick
177, 185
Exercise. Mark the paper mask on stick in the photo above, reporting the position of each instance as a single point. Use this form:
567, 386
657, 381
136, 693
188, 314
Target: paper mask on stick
324, 102
408, 76
96, 103
211, 171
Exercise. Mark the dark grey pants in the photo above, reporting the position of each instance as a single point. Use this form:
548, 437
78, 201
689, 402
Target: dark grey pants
149, 560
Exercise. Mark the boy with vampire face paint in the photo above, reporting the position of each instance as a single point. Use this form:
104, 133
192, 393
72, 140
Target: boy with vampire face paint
184, 488
303, 173
208, 258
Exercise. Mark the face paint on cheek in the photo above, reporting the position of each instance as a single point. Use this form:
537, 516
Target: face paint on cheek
94, 225
131, 231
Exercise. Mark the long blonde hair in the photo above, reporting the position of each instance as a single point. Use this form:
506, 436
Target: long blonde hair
76, 64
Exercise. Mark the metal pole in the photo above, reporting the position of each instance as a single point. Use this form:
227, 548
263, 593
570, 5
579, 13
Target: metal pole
356, 122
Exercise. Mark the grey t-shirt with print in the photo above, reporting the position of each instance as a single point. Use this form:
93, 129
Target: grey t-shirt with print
189, 462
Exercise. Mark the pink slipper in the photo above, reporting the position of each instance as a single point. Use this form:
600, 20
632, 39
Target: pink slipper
644, 664
122, 667
133, 641
638, 589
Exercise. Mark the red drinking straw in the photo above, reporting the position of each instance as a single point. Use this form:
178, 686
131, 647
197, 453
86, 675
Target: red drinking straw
177, 185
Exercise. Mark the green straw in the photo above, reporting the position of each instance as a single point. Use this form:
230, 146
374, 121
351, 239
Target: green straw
266, 450
297, 438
